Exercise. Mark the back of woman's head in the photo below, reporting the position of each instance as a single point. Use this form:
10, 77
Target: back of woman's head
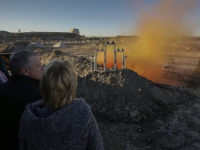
58, 84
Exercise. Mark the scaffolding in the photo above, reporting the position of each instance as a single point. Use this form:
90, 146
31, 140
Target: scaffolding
94, 58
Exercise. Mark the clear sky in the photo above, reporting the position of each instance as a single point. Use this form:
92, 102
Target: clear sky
91, 17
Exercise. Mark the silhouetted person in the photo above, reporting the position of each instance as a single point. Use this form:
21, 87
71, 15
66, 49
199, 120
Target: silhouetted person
60, 121
15, 94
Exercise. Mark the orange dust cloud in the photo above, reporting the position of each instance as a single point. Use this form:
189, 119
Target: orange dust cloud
166, 18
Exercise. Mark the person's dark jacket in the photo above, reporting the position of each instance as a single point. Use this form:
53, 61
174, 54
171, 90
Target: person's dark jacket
72, 127
15, 94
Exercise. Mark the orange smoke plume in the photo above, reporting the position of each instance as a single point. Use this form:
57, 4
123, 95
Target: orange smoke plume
166, 18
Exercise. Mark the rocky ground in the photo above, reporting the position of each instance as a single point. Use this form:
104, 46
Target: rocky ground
133, 112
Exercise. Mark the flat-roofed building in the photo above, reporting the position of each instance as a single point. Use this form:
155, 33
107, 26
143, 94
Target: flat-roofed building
73, 30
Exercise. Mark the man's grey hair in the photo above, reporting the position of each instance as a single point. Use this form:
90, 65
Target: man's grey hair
19, 60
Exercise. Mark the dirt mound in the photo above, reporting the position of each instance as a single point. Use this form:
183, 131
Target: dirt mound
6, 48
15, 48
20, 43
3, 47
3, 33
133, 112
126, 96
37, 44
60, 45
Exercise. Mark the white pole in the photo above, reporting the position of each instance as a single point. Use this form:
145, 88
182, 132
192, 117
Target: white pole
125, 64
105, 59
91, 64
125, 61
91, 58
95, 61
115, 60
122, 59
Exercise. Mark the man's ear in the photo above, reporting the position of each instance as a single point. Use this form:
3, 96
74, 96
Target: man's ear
25, 71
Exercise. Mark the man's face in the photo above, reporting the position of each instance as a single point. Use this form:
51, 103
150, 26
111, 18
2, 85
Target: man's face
35, 69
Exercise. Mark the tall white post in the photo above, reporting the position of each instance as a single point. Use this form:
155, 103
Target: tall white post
95, 60
122, 58
115, 60
91, 64
91, 59
125, 61
115, 57
105, 59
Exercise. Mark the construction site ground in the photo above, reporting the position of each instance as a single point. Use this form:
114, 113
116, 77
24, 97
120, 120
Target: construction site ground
133, 112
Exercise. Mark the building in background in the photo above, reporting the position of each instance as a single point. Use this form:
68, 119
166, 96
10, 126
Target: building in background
19, 31
73, 30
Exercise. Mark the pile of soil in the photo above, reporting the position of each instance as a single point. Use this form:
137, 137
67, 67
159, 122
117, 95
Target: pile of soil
60, 45
133, 112
24, 43
4, 48
36, 44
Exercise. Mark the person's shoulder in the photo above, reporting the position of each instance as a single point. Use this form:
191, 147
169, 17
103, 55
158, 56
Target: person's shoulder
80, 102
35, 104
31, 107
80, 105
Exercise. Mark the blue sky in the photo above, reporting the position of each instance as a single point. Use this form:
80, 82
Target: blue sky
91, 17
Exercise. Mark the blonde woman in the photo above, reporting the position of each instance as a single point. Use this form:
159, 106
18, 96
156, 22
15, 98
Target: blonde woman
59, 121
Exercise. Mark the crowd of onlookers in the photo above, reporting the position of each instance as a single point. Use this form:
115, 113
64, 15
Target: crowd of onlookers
39, 109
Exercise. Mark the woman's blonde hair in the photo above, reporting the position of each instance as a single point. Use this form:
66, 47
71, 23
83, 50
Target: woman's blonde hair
58, 84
